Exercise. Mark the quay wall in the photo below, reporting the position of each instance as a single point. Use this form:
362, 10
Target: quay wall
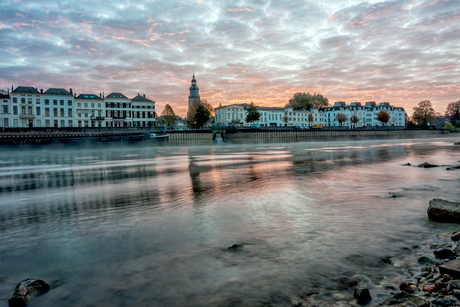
298, 135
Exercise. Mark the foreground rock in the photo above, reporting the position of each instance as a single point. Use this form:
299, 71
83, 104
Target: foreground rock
26, 290
444, 211
452, 268
235, 247
405, 299
427, 165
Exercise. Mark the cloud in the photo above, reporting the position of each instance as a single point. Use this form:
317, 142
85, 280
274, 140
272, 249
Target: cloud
265, 51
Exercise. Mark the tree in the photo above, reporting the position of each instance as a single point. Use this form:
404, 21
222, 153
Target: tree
383, 117
168, 117
453, 111
193, 108
310, 119
306, 101
424, 113
341, 118
253, 114
202, 116
354, 120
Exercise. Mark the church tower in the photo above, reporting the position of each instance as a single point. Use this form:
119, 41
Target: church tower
194, 95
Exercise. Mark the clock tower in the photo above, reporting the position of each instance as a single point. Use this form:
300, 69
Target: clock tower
194, 96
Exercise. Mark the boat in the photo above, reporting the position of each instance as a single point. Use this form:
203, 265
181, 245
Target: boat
158, 136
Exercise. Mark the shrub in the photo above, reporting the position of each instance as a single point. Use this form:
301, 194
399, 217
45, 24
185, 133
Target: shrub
449, 126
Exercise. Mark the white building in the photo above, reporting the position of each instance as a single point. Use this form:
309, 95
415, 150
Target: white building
143, 111
90, 110
54, 108
118, 110
26, 105
5, 109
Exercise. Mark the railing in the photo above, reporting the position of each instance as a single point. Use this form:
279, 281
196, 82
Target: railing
97, 117
26, 116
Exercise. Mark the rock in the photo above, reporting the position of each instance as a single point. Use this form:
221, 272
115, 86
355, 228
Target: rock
443, 253
345, 282
444, 211
26, 290
441, 302
424, 260
452, 268
362, 294
455, 236
457, 250
405, 299
389, 195
407, 164
407, 286
427, 165
458, 143
236, 247
386, 259
429, 287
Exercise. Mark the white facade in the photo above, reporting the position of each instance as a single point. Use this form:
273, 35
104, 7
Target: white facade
54, 108
143, 111
90, 111
118, 110
288, 117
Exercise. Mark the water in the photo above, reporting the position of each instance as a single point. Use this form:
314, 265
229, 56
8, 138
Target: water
150, 226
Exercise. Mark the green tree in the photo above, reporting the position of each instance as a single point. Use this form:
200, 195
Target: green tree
354, 120
253, 114
202, 116
341, 118
306, 101
424, 113
383, 117
310, 119
168, 117
193, 108
453, 111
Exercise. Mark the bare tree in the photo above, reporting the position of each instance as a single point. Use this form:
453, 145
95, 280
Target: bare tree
341, 118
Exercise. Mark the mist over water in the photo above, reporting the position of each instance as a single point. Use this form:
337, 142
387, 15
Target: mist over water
150, 226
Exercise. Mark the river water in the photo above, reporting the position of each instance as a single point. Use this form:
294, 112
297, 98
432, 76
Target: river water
151, 226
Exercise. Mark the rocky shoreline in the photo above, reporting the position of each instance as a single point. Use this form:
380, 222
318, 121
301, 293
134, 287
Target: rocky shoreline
426, 274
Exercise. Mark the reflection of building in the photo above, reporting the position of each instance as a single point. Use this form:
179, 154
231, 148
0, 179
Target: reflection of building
193, 97
281, 117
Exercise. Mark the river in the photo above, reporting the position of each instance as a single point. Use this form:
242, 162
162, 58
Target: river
151, 226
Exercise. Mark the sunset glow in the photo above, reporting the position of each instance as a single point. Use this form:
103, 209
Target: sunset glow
400, 52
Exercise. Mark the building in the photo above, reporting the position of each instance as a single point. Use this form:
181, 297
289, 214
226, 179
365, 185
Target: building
24, 99
57, 109
90, 110
232, 114
193, 97
118, 110
143, 111
5, 109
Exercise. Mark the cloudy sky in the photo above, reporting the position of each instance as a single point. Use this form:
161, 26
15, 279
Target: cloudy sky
400, 52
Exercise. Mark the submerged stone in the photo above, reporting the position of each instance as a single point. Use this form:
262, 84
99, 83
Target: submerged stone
26, 290
427, 165
441, 210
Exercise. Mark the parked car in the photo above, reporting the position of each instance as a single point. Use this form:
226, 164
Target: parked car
255, 126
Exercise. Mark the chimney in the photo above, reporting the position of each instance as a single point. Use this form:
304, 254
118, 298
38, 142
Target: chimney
41, 91
103, 95
100, 95
11, 89
8, 91
75, 95
71, 92
144, 95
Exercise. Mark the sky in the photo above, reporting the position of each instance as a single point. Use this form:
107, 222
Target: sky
400, 52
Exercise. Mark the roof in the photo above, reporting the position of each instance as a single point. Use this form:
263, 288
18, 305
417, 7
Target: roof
116, 95
141, 99
88, 96
25, 90
57, 91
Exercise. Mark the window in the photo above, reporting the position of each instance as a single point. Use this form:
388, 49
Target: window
47, 112
15, 123
55, 112
99, 105
70, 123
15, 100
79, 104
37, 101
55, 123
39, 123
37, 111
86, 114
70, 112
23, 100
23, 110
5, 109
5, 122
62, 123
69, 103
47, 102
92, 105
62, 112
86, 104
47, 123
79, 114
61, 102
31, 111
79, 123
29, 100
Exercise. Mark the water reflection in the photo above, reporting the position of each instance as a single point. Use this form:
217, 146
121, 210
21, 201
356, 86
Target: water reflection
110, 222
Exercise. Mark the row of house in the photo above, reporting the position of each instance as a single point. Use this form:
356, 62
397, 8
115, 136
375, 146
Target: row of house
288, 117
57, 107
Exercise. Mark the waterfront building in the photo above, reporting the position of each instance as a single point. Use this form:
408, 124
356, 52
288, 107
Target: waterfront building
270, 117
5, 109
232, 114
23, 99
54, 108
143, 111
194, 96
118, 110
90, 110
